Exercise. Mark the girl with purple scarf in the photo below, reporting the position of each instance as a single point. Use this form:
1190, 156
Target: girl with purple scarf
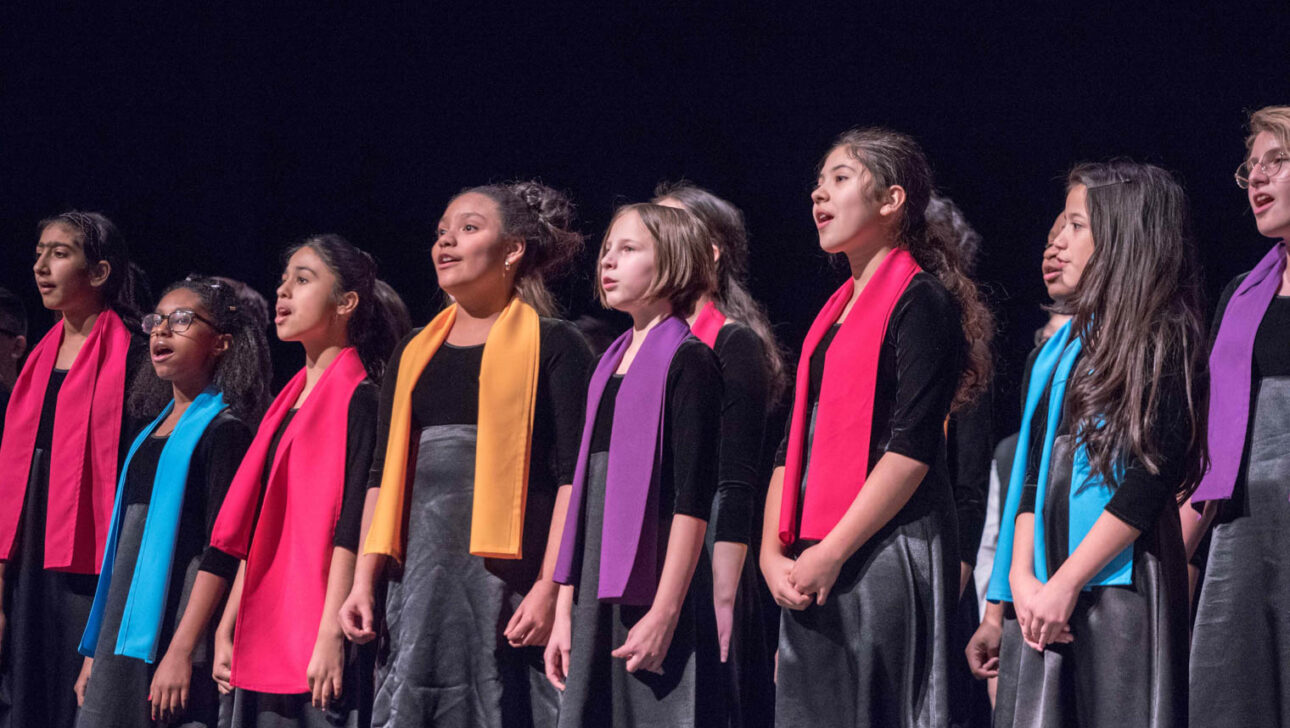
1241, 643
635, 640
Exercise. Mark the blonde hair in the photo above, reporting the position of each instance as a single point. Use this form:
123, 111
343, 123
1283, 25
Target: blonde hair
1273, 119
683, 265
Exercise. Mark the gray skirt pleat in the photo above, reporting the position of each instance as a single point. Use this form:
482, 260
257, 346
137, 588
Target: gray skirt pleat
446, 662
1240, 658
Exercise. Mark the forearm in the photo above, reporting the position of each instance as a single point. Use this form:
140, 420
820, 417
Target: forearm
1023, 548
887, 489
770, 544
208, 590
684, 542
1108, 537
727, 566
229, 620
556, 533
369, 567
993, 613
340, 579
1194, 525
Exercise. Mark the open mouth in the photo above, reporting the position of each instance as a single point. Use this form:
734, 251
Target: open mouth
161, 352
822, 218
444, 261
608, 284
1261, 202
280, 314
45, 287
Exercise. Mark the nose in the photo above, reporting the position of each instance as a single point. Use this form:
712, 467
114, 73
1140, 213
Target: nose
283, 290
818, 194
41, 264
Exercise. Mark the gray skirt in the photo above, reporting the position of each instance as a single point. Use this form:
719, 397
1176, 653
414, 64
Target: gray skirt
1240, 658
599, 691
116, 695
1128, 663
446, 662
875, 653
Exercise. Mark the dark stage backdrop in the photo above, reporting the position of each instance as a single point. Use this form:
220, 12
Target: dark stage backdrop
215, 135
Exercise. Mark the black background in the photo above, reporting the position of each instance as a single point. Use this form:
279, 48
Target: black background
215, 135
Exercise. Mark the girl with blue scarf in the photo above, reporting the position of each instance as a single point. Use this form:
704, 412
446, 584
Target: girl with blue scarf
161, 582
1091, 554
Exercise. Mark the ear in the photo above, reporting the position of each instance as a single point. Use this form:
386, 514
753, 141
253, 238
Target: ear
348, 302
892, 202
223, 343
716, 253
19, 347
514, 251
99, 273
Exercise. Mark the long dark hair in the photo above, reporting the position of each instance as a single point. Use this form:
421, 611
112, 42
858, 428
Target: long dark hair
893, 158
725, 223
1137, 310
242, 373
372, 328
126, 288
543, 218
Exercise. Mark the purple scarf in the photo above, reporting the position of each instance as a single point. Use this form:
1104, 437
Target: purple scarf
629, 537
1230, 369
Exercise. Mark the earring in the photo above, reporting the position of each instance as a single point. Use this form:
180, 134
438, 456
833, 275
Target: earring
506, 267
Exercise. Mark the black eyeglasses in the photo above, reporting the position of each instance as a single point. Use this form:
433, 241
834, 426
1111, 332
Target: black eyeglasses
1270, 165
179, 320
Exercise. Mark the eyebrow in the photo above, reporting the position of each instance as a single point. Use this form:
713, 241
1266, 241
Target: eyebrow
304, 268
43, 246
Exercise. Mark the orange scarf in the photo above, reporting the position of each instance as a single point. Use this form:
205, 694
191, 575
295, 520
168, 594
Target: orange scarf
507, 394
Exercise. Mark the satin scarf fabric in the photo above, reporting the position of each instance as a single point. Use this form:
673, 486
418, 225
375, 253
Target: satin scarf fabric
288, 561
1231, 365
145, 606
87, 441
508, 380
1089, 493
629, 541
844, 420
707, 325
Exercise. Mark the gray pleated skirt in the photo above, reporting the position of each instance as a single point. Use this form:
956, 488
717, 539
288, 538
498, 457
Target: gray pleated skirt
1128, 663
875, 654
446, 662
1240, 658
599, 691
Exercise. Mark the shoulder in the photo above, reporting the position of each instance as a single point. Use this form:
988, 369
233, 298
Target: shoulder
559, 336
225, 431
1226, 296
925, 290
694, 359
739, 340
364, 401
925, 306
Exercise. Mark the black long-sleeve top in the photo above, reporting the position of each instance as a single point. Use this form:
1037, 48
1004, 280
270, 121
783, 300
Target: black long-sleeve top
744, 405
969, 451
687, 479
1139, 496
918, 373
214, 462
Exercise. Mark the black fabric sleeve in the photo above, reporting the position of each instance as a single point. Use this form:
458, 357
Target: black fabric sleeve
1029, 492
694, 411
221, 450
781, 453
1140, 496
971, 431
360, 441
384, 407
744, 402
567, 367
929, 343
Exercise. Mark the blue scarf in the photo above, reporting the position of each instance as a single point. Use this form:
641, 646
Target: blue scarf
1088, 495
141, 621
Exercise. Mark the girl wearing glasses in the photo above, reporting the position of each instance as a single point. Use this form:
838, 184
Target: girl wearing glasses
161, 581
1240, 673
65, 431
478, 435
1113, 433
293, 510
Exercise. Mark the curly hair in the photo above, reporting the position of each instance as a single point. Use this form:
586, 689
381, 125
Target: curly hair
242, 373
893, 158
543, 218
1142, 287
